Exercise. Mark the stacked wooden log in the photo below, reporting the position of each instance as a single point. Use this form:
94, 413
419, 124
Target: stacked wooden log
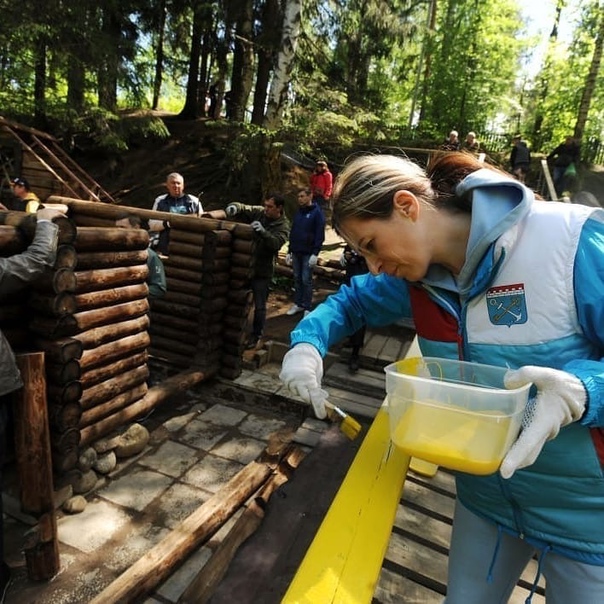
96, 342
202, 320
186, 324
240, 301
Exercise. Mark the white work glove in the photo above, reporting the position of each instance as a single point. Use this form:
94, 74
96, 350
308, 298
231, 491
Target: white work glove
231, 210
312, 261
302, 372
288, 259
560, 400
343, 262
257, 226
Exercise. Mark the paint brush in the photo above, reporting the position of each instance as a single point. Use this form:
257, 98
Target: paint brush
349, 426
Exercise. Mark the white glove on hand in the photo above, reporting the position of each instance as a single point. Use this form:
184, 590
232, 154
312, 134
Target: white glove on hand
312, 261
343, 262
560, 400
302, 372
288, 259
231, 210
257, 227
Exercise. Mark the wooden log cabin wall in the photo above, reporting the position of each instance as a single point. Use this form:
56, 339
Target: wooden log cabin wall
91, 315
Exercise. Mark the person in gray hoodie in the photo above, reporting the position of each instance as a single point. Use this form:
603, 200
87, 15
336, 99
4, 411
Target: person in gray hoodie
15, 273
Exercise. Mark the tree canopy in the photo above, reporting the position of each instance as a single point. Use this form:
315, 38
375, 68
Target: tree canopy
318, 71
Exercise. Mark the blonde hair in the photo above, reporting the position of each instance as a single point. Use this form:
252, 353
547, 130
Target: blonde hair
365, 187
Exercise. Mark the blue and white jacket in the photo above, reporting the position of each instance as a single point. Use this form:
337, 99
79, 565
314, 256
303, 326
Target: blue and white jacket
531, 292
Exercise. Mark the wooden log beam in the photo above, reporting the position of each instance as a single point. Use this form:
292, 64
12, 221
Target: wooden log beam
62, 394
215, 278
201, 589
92, 221
184, 274
176, 310
66, 257
70, 325
57, 281
241, 259
184, 263
178, 323
27, 223
32, 441
177, 221
214, 291
180, 298
105, 372
184, 249
112, 351
173, 345
107, 297
97, 260
96, 239
186, 287
93, 338
53, 305
106, 278
178, 335
63, 373
242, 246
155, 396
155, 566
117, 403
59, 351
94, 396
64, 417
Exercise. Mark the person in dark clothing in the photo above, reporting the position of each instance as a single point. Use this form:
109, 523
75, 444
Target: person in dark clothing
354, 264
271, 232
520, 158
15, 272
305, 241
566, 157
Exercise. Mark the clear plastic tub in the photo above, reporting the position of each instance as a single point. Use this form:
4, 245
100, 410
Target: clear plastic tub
455, 414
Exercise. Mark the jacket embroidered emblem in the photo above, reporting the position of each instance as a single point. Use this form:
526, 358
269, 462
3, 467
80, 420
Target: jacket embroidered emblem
507, 304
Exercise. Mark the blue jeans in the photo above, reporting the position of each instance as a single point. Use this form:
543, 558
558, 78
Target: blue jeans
473, 549
260, 291
302, 280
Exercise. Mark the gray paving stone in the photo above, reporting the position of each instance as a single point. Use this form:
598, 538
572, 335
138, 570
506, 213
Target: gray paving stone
137, 489
134, 546
211, 473
174, 424
91, 529
174, 587
171, 458
221, 415
202, 435
240, 449
259, 426
178, 502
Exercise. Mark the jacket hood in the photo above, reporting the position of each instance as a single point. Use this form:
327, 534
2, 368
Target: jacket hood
498, 203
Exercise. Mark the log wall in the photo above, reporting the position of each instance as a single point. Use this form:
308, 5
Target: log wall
92, 318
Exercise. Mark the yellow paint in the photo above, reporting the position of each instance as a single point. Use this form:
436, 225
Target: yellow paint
343, 563
452, 438
423, 467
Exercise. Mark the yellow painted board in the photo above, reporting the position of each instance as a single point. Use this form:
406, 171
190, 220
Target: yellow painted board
343, 563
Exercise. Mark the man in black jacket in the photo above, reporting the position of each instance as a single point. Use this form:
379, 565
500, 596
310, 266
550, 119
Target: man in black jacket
271, 232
